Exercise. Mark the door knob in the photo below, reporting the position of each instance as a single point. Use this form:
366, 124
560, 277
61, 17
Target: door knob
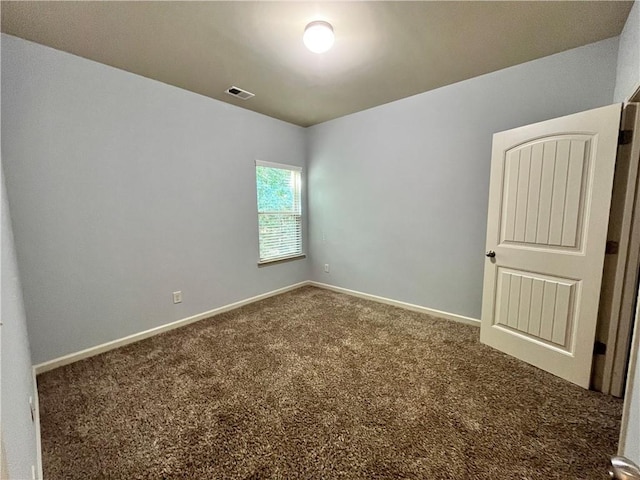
490, 254
624, 469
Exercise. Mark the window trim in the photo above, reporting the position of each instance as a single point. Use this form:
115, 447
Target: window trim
297, 256
282, 166
302, 254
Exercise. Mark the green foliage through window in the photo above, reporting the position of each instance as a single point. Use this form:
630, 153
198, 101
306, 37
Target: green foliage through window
279, 212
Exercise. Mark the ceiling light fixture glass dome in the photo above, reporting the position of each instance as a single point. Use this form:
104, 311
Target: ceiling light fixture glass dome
318, 36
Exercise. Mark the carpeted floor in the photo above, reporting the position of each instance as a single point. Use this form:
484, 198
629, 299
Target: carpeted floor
315, 384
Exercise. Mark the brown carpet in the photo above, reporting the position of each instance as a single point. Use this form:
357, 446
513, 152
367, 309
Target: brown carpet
315, 384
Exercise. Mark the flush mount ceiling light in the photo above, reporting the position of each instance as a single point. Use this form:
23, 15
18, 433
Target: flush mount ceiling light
318, 36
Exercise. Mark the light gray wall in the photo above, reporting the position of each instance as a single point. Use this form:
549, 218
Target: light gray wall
627, 80
628, 71
18, 431
632, 438
123, 190
398, 197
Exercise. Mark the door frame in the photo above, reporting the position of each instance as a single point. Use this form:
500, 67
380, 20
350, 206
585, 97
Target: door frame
633, 359
622, 264
621, 273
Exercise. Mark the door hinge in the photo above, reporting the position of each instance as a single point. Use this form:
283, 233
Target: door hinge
625, 137
611, 247
599, 348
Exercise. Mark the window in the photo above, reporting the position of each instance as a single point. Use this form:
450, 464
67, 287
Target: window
279, 211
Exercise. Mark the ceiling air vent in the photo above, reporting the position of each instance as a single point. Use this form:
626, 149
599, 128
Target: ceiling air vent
239, 93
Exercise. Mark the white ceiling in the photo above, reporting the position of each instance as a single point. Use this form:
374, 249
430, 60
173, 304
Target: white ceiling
383, 51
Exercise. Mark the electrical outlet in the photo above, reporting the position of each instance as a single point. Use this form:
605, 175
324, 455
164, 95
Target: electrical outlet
326, 268
177, 297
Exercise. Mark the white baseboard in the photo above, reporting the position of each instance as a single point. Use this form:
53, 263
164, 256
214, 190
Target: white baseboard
36, 420
136, 337
408, 306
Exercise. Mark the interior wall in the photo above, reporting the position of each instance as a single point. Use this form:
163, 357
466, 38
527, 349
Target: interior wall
123, 190
628, 68
631, 440
398, 198
627, 81
18, 430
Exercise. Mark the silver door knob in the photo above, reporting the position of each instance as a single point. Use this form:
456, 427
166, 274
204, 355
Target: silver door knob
624, 469
490, 254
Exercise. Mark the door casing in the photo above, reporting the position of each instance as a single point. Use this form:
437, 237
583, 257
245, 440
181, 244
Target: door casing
622, 264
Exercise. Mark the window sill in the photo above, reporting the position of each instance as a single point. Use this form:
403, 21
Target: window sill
280, 260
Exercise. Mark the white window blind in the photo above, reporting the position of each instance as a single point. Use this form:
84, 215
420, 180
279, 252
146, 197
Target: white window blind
279, 210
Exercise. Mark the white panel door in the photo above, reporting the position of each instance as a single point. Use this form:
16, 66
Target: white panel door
549, 202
